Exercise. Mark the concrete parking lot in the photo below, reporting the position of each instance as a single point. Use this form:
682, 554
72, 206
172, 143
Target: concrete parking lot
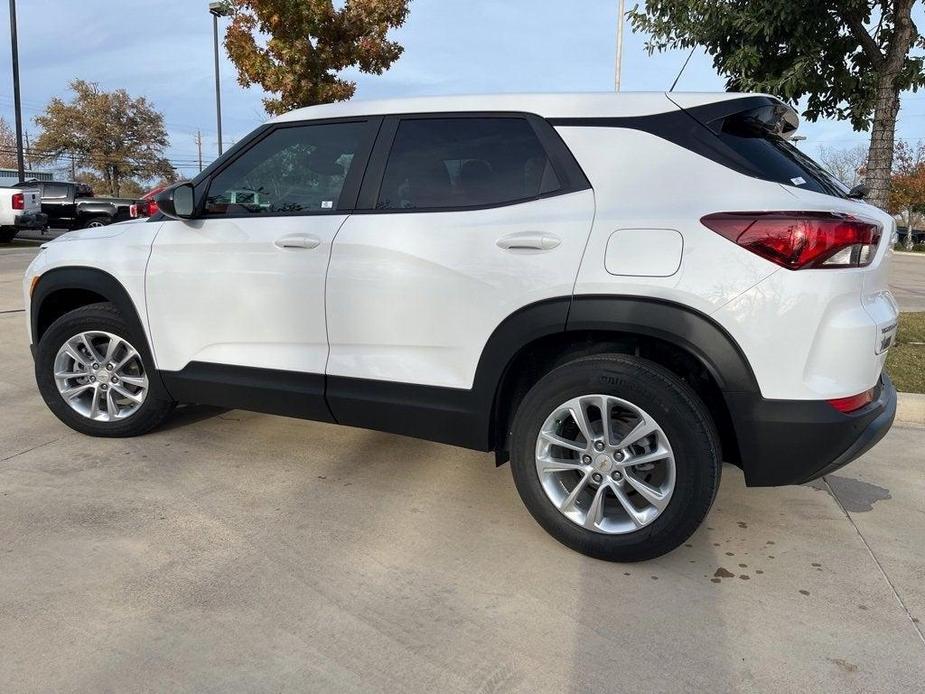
230, 551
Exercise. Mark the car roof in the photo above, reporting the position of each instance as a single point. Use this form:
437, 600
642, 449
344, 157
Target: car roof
557, 105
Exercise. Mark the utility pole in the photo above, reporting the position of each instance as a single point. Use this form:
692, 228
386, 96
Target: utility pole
17, 101
199, 146
27, 158
217, 9
618, 68
73, 166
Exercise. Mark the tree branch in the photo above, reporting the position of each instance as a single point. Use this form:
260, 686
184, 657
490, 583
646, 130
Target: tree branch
866, 40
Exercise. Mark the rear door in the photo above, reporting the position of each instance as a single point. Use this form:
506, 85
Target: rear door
463, 219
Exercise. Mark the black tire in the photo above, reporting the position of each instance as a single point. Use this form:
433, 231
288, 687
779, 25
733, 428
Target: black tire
98, 221
682, 416
103, 317
7, 234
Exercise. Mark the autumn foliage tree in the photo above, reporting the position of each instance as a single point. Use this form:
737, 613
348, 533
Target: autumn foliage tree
848, 58
907, 193
296, 48
7, 145
110, 133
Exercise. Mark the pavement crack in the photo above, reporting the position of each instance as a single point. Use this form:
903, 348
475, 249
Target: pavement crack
873, 556
29, 450
13, 310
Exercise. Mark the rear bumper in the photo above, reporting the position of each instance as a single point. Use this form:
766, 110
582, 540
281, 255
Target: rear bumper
795, 441
31, 220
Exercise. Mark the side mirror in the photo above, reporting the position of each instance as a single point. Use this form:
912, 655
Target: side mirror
177, 201
859, 192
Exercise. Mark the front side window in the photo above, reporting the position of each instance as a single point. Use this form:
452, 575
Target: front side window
447, 163
293, 169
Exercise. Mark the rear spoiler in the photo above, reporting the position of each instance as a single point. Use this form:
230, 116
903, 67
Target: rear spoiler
757, 114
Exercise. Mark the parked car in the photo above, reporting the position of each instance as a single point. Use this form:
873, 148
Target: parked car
73, 205
147, 205
20, 208
615, 292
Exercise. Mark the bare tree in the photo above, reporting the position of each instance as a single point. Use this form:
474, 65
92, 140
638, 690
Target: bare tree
846, 164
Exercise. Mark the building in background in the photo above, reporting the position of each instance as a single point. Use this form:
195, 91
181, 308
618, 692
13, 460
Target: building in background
10, 177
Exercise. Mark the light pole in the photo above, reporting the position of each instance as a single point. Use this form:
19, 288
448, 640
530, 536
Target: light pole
216, 9
17, 103
619, 64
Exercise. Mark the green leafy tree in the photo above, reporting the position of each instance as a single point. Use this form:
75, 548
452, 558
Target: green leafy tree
110, 133
848, 58
296, 48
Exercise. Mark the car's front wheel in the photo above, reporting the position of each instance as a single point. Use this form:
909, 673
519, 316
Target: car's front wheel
616, 457
95, 375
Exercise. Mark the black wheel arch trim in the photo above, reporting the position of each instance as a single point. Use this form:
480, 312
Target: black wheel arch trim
686, 327
93, 280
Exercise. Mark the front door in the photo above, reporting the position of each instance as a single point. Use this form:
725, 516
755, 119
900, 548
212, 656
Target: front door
241, 288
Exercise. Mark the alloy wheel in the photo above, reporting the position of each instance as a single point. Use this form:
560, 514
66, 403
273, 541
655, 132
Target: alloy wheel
101, 376
605, 464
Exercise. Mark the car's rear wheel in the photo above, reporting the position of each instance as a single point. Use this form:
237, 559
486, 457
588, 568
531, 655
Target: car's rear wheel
616, 457
95, 374
96, 222
7, 234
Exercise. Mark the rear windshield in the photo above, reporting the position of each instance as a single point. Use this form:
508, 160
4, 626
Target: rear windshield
774, 159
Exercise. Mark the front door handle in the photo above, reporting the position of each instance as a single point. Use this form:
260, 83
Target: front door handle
529, 240
298, 241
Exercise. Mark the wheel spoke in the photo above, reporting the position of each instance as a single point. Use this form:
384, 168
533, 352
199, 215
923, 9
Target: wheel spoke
111, 407
570, 500
558, 465
75, 355
552, 438
139, 381
651, 494
604, 406
126, 394
653, 457
94, 403
638, 432
581, 419
69, 393
89, 347
129, 355
111, 348
635, 516
596, 512
70, 374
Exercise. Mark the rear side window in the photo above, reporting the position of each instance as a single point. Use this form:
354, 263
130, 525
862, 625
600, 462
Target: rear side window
54, 190
299, 169
773, 158
451, 163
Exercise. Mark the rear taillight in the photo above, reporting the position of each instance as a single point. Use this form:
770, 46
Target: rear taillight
855, 402
19, 201
152, 207
798, 240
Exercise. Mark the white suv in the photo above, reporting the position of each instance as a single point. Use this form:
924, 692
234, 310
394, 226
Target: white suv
614, 292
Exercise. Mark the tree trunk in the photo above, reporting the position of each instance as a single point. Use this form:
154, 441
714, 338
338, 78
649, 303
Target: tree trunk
886, 107
909, 224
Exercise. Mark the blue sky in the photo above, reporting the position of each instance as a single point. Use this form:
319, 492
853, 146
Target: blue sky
163, 50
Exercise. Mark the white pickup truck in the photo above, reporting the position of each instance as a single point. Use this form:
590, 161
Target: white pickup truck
20, 208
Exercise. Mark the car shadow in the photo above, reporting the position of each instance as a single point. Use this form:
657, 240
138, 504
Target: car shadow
190, 414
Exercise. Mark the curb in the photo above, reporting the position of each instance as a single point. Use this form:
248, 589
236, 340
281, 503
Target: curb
910, 408
918, 254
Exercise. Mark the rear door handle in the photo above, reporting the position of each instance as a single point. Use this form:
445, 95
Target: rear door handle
529, 240
298, 241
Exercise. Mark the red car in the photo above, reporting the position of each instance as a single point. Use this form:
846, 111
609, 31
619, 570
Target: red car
146, 206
